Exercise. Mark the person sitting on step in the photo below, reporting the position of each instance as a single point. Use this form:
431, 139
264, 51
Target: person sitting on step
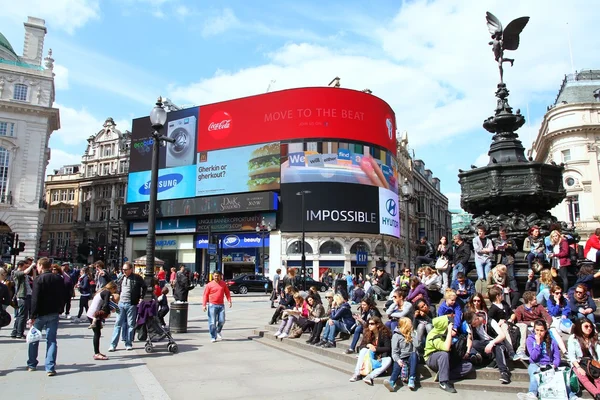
291, 316
376, 345
368, 309
315, 336
398, 309
340, 321
464, 287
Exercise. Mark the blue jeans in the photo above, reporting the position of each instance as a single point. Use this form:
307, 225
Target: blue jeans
21, 315
50, 323
126, 322
483, 267
543, 296
588, 316
331, 330
216, 319
458, 268
385, 364
412, 361
357, 332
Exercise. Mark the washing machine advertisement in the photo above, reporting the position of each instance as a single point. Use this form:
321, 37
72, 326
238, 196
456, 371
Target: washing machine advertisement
182, 151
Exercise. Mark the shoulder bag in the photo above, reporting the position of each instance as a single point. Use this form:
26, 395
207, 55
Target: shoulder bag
441, 264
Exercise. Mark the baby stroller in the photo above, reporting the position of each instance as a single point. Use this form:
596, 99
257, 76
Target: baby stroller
150, 329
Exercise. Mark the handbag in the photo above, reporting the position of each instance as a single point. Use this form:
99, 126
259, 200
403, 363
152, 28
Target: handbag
366, 366
591, 367
552, 384
441, 264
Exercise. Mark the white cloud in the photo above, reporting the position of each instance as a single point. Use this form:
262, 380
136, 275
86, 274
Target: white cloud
220, 23
482, 160
61, 77
59, 158
453, 200
66, 15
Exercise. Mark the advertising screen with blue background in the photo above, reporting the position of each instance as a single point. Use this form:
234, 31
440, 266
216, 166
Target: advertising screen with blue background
233, 241
173, 183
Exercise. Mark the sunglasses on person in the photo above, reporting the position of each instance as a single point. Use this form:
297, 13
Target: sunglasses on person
372, 323
586, 326
560, 292
579, 292
328, 297
476, 301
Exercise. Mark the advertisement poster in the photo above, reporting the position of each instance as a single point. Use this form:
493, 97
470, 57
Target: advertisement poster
331, 207
243, 169
236, 222
389, 213
173, 183
344, 166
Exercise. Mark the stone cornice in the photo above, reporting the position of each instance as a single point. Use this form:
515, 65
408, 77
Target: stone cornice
53, 114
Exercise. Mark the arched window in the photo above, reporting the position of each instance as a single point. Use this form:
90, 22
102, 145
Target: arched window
331, 247
359, 246
4, 162
379, 250
20, 92
296, 248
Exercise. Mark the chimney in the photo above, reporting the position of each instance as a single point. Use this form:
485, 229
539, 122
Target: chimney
35, 31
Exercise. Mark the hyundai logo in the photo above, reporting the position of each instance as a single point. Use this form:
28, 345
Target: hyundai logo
165, 182
392, 207
231, 240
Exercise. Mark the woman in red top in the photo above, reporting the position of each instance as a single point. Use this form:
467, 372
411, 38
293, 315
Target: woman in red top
560, 252
592, 248
162, 277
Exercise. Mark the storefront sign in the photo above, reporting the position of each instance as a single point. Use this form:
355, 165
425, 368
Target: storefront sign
235, 222
263, 201
234, 241
362, 258
164, 226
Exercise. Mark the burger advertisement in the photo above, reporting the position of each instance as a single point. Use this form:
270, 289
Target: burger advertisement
253, 168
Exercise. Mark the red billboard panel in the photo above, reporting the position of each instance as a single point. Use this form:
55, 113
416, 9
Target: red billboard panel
305, 113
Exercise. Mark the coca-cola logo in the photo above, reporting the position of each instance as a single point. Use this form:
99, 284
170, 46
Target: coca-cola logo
220, 125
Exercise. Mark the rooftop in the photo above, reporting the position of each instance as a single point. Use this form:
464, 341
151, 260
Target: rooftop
6, 45
579, 87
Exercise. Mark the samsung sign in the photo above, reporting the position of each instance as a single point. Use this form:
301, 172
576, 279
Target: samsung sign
165, 182
173, 183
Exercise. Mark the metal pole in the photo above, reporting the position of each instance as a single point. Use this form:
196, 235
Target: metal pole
408, 236
12, 248
106, 242
262, 238
206, 269
151, 238
303, 262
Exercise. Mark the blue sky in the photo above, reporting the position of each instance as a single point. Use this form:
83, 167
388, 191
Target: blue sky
428, 59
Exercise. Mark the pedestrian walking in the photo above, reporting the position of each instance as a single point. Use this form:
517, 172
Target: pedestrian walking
132, 289
276, 291
23, 293
69, 288
85, 291
47, 302
213, 299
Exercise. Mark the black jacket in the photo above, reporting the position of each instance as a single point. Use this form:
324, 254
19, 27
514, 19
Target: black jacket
138, 288
429, 250
5, 296
462, 254
385, 282
48, 295
182, 287
384, 346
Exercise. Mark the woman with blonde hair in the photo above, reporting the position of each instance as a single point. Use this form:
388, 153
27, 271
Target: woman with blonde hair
559, 257
404, 355
299, 310
105, 301
546, 284
341, 320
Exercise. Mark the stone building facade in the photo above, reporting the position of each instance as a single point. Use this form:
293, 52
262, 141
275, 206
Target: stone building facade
570, 134
27, 119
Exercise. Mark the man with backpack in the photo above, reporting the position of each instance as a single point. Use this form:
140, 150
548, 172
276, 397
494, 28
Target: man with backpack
445, 351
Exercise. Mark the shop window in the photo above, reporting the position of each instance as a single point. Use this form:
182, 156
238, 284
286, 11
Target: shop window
380, 250
359, 246
331, 247
296, 248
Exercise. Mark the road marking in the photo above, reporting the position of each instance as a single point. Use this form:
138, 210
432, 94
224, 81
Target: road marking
147, 383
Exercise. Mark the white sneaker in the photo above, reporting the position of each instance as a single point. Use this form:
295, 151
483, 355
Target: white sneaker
527, 396
277, 333
283, 336
128, 348
111, 349
213, 340
68, 316
219, 337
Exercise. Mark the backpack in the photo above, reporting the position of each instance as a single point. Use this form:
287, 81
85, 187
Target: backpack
515, 334
458, 348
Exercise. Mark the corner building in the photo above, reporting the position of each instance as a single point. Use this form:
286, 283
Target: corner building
322, 160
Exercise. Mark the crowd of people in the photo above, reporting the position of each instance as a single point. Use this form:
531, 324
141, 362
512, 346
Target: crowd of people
439, 317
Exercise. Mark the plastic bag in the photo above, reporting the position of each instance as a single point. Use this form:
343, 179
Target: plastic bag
34, 335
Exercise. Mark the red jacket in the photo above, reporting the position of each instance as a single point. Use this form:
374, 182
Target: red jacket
563, 254
593, 241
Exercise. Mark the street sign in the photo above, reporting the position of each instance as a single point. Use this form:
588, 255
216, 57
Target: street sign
212, 248
362, 258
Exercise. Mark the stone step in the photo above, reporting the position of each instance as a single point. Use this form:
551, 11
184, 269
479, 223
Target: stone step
518, 369
328, 358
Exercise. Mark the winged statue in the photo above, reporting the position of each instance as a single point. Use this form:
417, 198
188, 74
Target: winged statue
504, 38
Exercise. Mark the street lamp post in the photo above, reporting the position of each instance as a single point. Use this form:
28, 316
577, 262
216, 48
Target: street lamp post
407, 195
571, 216
263, 230
158, 118
303, 262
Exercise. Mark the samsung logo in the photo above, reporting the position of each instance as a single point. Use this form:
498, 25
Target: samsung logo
231, 240
165, 182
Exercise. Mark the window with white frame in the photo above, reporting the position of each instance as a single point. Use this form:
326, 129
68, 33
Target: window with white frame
123, 166
107, 151
55, 195
106, 169
121, 190
105, 191
102, 213
573, 208
53, 216
61, 216
69, 216
71, 194
566, 155
20, 92
63, 195
4, 164
7, 128
59, 239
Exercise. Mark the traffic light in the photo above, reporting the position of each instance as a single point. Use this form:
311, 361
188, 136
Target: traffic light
10, 239
21, 247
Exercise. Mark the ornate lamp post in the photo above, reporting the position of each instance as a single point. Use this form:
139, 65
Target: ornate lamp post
303, 262
263, 230
407, 197
158, 118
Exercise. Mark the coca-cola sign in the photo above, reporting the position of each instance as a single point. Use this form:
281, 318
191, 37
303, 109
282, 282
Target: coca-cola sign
220, 125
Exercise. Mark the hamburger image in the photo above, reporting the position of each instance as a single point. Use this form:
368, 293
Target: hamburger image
264, 168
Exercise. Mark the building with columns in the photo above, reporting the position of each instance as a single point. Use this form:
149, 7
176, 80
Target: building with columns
27, 119
93, 194
570, 134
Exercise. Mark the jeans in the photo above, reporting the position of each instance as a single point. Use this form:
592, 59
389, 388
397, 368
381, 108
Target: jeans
423, 260
385, 364
21, 315
126, 322
83, 305
357, 332
543, 296
532, 256
458, 268
422, 327
562, 272
50, 323
286, 324
412, 361
440, 362
216, 319
391, 325
589, 316
483, 267
332, 330
445, 283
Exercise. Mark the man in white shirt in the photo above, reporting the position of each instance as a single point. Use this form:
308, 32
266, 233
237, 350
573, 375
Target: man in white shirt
275, 292
484, 249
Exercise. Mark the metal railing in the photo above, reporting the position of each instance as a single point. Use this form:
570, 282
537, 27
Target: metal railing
21, 64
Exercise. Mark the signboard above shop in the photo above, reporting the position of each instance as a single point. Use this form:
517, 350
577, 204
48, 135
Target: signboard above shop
233, 241
165, 226
263, 201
